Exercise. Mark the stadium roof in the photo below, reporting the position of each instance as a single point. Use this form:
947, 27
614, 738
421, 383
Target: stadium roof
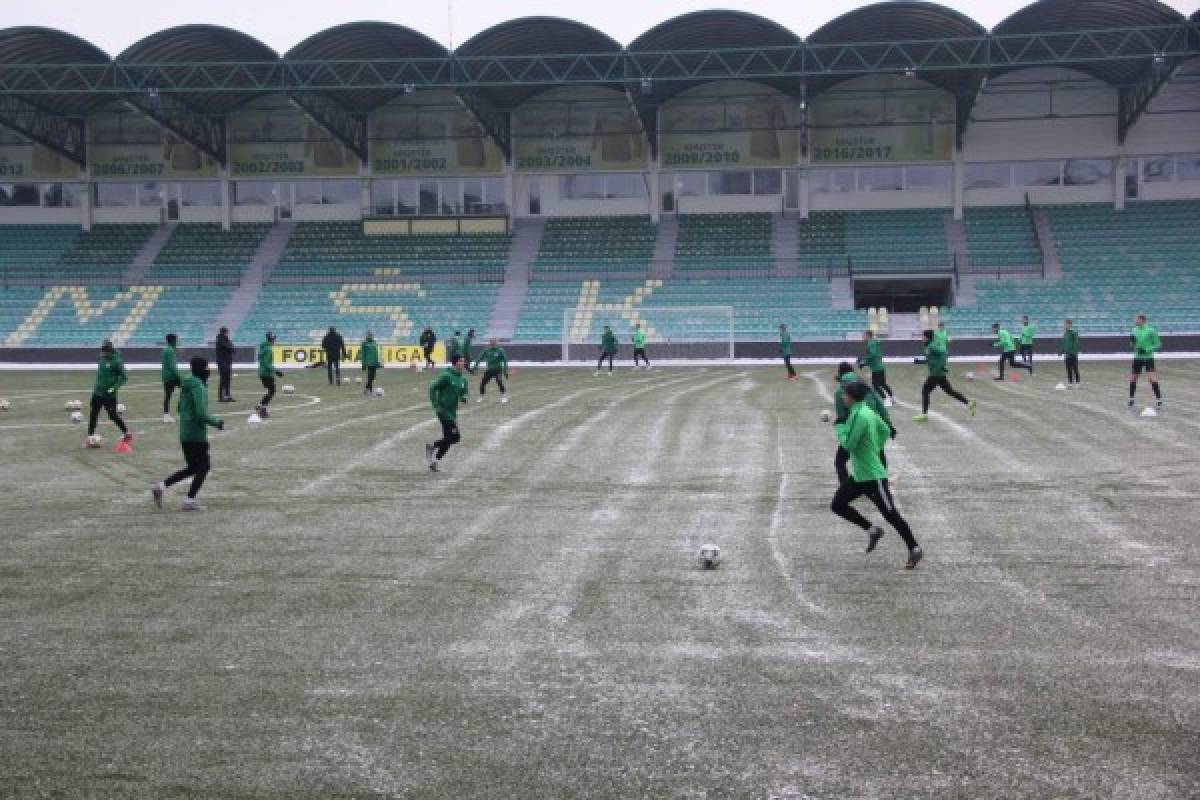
187, 77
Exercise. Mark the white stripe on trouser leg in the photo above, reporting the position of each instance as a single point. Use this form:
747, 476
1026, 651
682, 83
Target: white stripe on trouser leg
887, 498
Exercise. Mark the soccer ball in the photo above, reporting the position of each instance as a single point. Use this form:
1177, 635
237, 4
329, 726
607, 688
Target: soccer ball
358, 380
5, 405
289, 389
826, 415
74, 405
76, 416
379, 391
253, 419
95, 439
120, 408
970, 376
710, 556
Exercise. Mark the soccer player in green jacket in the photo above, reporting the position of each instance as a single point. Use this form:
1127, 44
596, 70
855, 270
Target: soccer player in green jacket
863, 435
873, 360
639, 346
1070, 353
785, 350
446, 393
110, 376
845, 377
194, 421
1146, 343
497, 369
1008, 350
170, 375
937, 361
608, 349
1028, 331
368, 356
267, 372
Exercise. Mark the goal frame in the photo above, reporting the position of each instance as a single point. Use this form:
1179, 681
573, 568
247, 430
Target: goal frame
585, 346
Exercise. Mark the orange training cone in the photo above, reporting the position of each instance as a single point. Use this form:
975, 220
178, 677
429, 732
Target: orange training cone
1012, 376
122, 448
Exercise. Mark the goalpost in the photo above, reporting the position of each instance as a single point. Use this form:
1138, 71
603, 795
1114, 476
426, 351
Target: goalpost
672, 332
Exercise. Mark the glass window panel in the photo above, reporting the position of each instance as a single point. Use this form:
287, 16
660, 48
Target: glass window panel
1037, 173
1156, 169
150, 195
52, 195
26, 194
791, 189
732, 183
880, 179
1087, 171
1187, 168
624, 185
472, 196
407, 197
383, 198
200, 194
768, 182
428, 205
307, 192
451, 196
341, 192
928, 178
691, 184
116, 194
493, 194
70, 194
987, 176
254, 193
582, 187
827, 181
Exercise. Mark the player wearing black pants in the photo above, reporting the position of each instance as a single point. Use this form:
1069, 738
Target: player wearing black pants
608, 349
170, 374
267, 372
497, 369
845, 377
937, 361
109, 404
1146, 343
1070, 351
194, 421
335, 350
110, 376
225, 354
428, 340
446, 393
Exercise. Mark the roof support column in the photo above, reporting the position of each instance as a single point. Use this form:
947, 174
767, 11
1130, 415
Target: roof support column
226, 198
653, 188
87, 211
1119, 167
510, 189
956, 176
364, 173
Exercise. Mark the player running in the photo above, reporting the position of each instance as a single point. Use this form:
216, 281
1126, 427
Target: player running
785, 350
942, 336
873, 359
368, 356
639, 346
1070, 353
194, 421
1146, 343
170, 375
446, 392
110, 376
1027, 333
267, 372
863, 435
1008, 350
608, 349
845, 377
937, 361
497, 369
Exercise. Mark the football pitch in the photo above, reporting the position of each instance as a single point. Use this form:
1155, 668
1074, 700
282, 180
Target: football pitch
533, 622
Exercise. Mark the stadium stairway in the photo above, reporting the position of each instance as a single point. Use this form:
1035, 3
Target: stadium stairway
269, 251
956, 240
136, 274
841, 293
787, 242
664, 246
527, 240
1051, 264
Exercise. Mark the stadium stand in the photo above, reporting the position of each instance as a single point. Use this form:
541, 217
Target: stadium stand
735, 242
875, 241
332, 251
205, 251
1000, 237
50, 254
620, 245
301, 314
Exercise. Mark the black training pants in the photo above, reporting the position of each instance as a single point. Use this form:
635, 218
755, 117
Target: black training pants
881, 496
109, 404
169, 388
1010, 358
371, 378
269, 385
1027, 353
195, 454
429, 356
450, 436
489, 375
880, 385
1072, 363
640, 352
225, 383
333, 368
787, 362
603, 356
939, 382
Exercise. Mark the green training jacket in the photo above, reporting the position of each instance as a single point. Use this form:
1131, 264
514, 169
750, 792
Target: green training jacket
785, 344
110, 375
1070, 343
608, 342
937, 360
639, 338
1145, 341
446, 392
266, 360
170, 370
496, 358
1004, 341
864, 434
874, 357
1027, 333
368, 353
872, 400
194, 418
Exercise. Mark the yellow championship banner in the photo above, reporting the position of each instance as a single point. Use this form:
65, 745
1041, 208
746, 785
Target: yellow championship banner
398, 355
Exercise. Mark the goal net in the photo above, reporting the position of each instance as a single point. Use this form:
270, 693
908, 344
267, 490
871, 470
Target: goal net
672, 332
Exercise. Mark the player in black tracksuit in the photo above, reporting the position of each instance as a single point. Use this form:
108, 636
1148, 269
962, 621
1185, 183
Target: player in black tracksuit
335, 350
428, 340
225, 353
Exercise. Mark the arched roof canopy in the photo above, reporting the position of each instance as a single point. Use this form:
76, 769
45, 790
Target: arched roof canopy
224, 51
1059, 16
526, 46
34, 45
937, 46
365, 41
751, 40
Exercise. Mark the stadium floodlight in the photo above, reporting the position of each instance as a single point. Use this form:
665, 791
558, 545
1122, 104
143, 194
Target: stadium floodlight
911, 72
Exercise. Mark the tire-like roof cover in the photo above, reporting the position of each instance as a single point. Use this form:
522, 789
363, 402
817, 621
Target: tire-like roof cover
366, 41
537, 36
716, 29
200, 44
902, 21
32, 45
1050, 16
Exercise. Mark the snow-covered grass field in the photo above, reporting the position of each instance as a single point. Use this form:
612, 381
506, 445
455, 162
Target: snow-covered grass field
533, 622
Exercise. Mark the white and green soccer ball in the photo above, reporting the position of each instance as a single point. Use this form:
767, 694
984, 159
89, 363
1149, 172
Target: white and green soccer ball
120, 408
710, 556
289, 389
358, 380
826, 415
74, 405
4, 404
76, 416
379, 391
95, 439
